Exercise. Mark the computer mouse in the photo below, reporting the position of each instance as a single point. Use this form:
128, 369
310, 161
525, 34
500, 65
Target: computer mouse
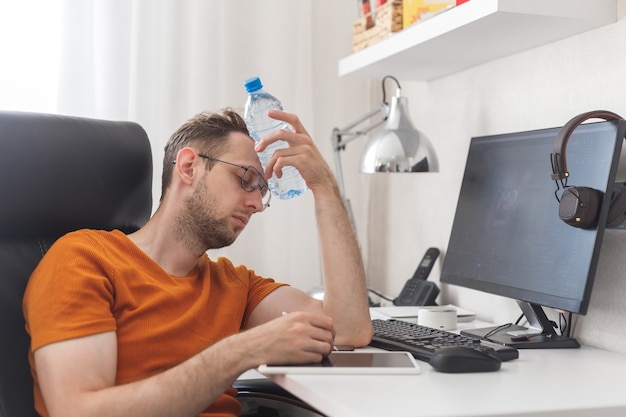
463, 359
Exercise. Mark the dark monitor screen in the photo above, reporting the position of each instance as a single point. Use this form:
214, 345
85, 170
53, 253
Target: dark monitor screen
507, 237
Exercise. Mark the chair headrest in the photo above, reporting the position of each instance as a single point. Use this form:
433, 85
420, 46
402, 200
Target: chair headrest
62, 173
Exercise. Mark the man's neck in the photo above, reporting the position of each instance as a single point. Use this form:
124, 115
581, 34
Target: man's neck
158, 239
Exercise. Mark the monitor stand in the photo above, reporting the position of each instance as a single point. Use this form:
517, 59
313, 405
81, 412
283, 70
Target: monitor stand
540, 335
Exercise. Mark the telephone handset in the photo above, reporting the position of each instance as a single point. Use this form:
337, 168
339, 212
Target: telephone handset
417, 291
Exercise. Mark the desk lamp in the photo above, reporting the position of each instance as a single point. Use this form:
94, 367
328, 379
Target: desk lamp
397, 147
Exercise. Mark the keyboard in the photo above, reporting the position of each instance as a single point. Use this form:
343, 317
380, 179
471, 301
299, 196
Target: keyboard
422, 341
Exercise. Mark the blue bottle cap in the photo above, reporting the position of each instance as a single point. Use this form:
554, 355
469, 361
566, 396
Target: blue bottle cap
253, 84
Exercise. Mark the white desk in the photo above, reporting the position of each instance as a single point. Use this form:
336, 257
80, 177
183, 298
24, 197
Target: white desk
557, 382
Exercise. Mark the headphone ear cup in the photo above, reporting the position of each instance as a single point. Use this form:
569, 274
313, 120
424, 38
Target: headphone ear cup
617, 210
579, 207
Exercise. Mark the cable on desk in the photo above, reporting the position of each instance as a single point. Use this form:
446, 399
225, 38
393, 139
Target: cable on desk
379, 294
494, 331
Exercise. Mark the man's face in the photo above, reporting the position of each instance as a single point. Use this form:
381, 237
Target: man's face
219, 208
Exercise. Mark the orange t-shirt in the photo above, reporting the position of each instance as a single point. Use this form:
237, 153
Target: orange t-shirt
92, 282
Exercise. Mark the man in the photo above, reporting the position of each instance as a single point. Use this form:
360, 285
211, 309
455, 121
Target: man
147, 325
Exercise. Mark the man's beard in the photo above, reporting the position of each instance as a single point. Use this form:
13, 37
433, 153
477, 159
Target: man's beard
198, 226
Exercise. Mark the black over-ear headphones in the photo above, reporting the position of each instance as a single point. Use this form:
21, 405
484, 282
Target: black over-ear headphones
579, 206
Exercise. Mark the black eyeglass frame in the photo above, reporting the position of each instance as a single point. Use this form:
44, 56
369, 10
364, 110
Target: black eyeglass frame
264, 189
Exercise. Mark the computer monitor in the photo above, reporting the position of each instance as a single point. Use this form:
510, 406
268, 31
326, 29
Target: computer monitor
507, 237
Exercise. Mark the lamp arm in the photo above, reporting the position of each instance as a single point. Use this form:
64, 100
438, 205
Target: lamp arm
342, 136
345, 135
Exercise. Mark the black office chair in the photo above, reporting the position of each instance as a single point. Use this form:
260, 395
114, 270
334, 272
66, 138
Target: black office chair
58, 174
263, 398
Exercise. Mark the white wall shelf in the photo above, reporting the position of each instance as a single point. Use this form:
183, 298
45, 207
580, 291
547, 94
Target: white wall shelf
473, 33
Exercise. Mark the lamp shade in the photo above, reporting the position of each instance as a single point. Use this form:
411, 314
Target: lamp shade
399, 146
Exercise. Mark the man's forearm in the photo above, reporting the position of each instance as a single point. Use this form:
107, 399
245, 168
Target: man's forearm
184, 390
345, 288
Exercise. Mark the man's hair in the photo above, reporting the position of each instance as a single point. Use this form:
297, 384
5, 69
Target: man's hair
207, 133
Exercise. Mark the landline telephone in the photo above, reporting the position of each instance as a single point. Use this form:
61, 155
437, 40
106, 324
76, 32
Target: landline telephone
417, 291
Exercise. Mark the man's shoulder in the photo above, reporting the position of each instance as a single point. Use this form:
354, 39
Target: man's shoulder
92, 235
224, 265
89, 239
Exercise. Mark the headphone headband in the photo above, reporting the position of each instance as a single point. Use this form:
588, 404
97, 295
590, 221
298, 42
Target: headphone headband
557, 157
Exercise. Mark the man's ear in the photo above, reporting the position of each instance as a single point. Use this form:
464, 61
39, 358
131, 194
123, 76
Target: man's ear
186, 164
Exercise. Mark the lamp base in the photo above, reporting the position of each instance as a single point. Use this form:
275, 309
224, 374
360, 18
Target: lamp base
317, 293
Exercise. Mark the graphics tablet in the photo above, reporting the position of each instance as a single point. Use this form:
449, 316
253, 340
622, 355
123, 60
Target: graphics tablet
352, 363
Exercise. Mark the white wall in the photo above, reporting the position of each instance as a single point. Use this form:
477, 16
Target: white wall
536, 89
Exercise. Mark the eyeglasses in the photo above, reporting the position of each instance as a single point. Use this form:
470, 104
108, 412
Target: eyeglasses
251, 179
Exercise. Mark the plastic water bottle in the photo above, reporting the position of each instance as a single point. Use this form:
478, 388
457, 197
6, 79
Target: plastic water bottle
259, 124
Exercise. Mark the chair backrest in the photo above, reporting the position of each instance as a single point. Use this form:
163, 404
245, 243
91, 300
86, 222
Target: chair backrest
58, 174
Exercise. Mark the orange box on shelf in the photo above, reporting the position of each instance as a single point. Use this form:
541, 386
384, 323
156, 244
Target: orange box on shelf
416, 10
